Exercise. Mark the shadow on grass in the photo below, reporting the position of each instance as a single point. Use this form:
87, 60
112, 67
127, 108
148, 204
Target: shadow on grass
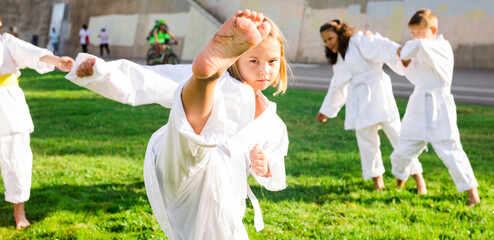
93, 200
361, 193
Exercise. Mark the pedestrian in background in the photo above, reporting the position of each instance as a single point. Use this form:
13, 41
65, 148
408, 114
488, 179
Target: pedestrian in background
84, 38
103, 35
54, 40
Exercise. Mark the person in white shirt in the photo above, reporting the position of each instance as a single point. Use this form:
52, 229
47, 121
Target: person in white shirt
221, 127
360, 82
103, 35
16, 158
84, 38
430, 116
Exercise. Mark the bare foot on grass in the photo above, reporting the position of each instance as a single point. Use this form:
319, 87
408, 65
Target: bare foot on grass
473, 197
378, 183
238, 34
421, 187
400, 183
20, 216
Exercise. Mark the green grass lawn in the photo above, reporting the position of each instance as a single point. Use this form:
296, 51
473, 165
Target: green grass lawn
88, 158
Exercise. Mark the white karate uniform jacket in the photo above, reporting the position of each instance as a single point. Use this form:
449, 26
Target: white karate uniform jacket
16, 54
197, 184
431, 112
360, 82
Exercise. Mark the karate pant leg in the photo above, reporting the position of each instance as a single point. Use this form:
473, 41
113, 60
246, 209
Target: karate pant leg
403, 156
370, 153
456, 160
16, 161
392, 130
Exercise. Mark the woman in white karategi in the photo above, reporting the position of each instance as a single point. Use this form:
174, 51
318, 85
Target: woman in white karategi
16, 158
221, 128
360, 82
430, 116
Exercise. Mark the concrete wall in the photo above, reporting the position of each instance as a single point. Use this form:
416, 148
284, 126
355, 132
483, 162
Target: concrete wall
466, 24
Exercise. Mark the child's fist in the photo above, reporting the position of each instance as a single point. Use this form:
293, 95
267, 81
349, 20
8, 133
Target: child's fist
65, 63
86, 68
258, 162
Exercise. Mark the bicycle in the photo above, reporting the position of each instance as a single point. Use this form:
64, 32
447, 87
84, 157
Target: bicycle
167, 57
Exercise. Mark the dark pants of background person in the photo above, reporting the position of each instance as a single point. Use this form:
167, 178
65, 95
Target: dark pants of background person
84, 48
55, 47
101, 46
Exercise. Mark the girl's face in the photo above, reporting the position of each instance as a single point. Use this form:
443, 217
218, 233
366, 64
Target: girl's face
330, 39
259, 67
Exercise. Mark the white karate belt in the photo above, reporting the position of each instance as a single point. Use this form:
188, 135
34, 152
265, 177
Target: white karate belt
432, 92
361, 80
240, 160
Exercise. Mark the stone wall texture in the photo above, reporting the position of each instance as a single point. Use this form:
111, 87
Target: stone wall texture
466, 24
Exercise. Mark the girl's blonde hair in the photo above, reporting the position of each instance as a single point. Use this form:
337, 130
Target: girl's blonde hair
281, 81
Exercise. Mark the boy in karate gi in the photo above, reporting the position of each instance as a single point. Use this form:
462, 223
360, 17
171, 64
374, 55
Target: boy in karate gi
16, 159
430, 116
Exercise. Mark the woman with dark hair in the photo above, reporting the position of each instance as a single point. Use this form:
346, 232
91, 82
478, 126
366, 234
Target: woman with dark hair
360, 82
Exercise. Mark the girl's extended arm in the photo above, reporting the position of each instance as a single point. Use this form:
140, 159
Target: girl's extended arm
63, 63
127, 82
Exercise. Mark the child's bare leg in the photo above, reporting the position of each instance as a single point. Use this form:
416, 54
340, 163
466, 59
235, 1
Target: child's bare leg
238, 34
419, 180
473, 197
400, 183
378, 183
20, 216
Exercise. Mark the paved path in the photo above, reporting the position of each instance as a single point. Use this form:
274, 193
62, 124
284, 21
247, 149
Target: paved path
469, 86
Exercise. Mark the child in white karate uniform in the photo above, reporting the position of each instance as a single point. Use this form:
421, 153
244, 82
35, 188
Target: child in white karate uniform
221, 127
15, 121
430, 116
360, 82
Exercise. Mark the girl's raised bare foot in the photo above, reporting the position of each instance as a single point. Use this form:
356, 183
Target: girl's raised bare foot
473, 197
378, 183
20, 216
421, 187
238, 34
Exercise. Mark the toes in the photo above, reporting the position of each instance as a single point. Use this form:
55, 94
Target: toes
259, 18
253, 15
264, 29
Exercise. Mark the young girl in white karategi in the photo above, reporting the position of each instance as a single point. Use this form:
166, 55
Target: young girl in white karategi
16, 159
360, 82
221, 128
430, 116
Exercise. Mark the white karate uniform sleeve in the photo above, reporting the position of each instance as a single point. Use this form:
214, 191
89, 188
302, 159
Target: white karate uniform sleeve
26, 55
275, 149
381, 50
435, 53
377, 48
337, 92
130, 83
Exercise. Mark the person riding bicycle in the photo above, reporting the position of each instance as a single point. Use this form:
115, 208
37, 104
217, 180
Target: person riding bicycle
160, 37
